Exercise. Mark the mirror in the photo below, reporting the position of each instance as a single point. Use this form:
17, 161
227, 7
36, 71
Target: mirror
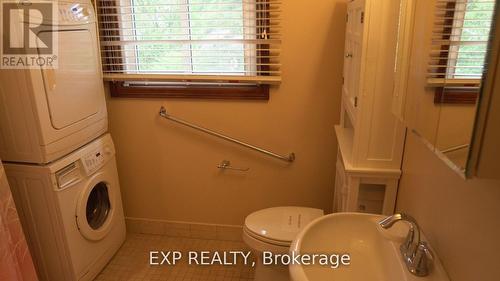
443, 50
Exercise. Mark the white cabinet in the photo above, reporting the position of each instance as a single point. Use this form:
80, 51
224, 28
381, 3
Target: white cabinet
370, 137
365, 190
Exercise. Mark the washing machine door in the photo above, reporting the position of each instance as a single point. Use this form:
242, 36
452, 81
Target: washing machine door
96, 207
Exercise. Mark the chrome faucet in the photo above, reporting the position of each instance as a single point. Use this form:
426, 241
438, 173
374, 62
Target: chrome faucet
416, 253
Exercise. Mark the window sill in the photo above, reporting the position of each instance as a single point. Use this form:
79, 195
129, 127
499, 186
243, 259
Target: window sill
225, 92
455, 97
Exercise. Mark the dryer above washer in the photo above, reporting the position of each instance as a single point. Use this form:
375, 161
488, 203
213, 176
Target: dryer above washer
48, 113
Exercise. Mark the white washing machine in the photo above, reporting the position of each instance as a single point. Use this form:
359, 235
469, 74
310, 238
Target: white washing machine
47, 113
71, 211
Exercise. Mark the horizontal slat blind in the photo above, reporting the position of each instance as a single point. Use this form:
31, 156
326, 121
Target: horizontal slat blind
459, 42
191, 40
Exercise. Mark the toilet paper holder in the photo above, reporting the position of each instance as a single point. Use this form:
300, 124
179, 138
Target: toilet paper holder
226, 165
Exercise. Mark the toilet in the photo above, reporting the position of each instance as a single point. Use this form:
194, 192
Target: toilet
273, 230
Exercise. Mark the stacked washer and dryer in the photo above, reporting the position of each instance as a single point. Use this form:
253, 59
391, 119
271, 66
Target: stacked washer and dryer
59, 160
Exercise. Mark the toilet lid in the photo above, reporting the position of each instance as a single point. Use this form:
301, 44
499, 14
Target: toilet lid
281, 223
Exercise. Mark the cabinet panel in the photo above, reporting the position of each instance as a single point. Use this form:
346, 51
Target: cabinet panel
339, 204
353, 55
366, 192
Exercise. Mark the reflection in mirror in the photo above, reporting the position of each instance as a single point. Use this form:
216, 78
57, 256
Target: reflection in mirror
457, 59
449, 50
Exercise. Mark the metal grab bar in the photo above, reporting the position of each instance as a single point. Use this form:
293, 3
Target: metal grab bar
163, 113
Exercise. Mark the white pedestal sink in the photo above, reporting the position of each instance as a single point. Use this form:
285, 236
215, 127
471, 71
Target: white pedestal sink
374, 251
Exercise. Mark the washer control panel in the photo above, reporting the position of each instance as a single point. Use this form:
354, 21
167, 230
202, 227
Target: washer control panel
75, 13
95, 159
84, 162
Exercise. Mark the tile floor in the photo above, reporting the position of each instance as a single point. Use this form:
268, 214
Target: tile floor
131, 263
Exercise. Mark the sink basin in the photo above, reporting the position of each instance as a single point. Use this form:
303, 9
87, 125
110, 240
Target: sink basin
374, 251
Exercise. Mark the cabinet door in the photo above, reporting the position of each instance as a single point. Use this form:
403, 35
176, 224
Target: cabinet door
352, 56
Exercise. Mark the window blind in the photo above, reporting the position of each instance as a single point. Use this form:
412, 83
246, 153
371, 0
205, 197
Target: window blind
459, 43
191, 40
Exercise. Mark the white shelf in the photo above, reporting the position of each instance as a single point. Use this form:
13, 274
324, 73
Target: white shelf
345, 142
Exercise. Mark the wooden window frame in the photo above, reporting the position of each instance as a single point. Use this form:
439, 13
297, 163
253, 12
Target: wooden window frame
119, 89
443, 95
229, 92
448, 96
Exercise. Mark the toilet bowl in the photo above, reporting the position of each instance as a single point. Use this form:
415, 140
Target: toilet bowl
272, 231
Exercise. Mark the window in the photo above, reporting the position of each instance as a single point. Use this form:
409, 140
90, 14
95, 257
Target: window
195, 48
460, 39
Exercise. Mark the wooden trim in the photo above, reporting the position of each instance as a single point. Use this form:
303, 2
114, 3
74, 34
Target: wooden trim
257, 92
448, 96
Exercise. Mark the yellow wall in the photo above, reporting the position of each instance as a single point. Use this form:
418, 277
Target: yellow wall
169, 172
459, 217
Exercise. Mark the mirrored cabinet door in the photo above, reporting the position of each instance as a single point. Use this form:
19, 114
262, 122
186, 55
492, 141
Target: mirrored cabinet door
446, 52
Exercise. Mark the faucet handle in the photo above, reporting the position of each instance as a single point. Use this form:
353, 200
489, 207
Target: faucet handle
422, 262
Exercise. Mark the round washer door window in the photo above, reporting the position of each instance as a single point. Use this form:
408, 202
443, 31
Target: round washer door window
98, 206
95, 209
